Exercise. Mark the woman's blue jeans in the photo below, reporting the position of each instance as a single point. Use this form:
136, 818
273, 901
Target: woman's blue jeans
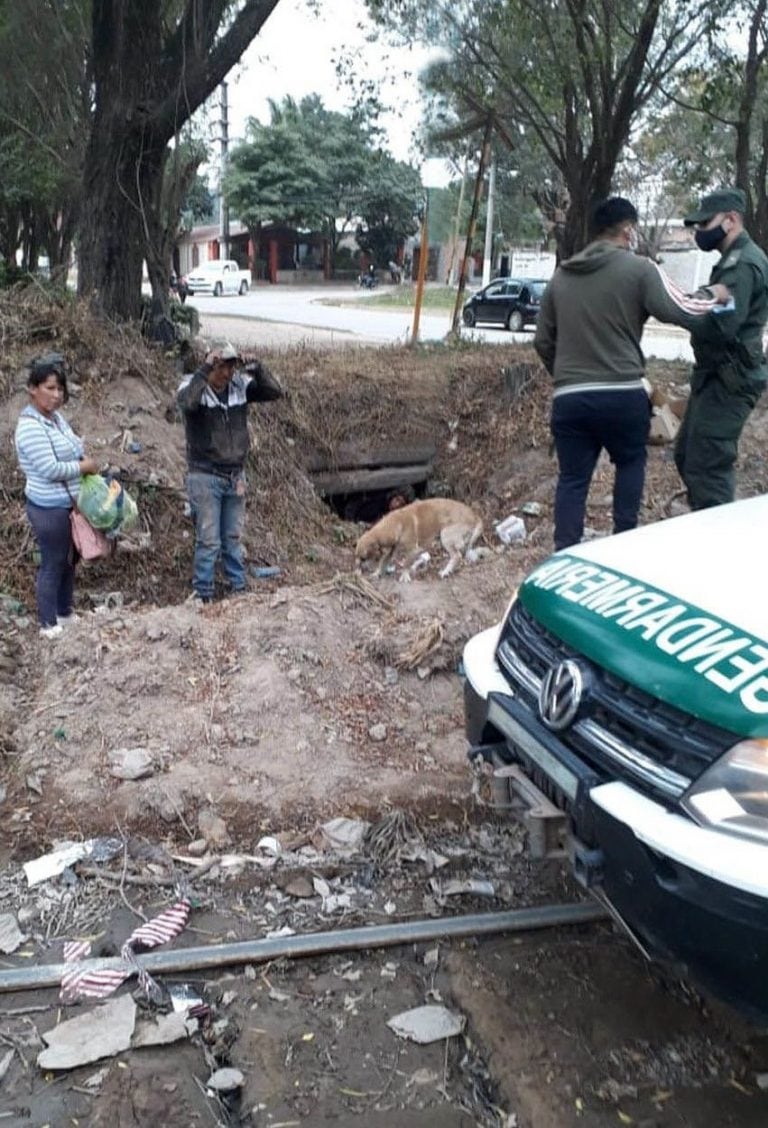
55, 581
218, 511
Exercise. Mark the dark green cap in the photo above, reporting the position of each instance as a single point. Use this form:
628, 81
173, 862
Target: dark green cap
724, 200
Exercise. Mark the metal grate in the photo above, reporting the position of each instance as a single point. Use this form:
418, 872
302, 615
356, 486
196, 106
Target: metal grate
664, 741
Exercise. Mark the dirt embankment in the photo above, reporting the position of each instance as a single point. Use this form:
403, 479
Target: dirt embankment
313, 692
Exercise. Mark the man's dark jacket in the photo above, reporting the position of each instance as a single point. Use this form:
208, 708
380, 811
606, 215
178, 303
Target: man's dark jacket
217, 426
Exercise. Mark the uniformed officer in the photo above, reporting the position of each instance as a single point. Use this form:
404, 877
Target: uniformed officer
729, 373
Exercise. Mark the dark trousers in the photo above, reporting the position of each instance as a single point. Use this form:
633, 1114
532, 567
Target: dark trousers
584, 424
55, 582
707, 443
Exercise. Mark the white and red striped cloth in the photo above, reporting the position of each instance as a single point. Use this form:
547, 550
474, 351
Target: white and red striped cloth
80, 983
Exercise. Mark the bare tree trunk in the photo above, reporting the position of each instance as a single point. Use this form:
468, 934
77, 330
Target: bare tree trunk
149, 77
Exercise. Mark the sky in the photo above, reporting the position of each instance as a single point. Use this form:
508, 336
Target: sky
295, 55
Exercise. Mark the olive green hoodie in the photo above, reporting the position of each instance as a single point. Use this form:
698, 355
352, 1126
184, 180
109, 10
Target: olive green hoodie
593, 311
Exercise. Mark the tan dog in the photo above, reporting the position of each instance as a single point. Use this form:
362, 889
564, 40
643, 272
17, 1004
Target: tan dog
414, 527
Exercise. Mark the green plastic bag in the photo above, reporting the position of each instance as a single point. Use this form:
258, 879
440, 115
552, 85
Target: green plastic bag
105, 504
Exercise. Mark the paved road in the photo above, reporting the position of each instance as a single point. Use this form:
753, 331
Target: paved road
347, 321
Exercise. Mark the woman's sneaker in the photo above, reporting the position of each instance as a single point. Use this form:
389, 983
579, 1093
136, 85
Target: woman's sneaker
56, 631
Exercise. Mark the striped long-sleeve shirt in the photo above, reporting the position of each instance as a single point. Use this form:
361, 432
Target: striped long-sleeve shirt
49, 454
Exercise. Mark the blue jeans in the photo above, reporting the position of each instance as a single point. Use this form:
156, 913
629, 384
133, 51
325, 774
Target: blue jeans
55, 581
583, 423
218, 511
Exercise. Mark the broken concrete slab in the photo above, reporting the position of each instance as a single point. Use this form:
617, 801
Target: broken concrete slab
163, 1030
101, 1032
427, 1024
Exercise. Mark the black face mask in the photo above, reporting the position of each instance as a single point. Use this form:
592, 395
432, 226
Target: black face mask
710, 238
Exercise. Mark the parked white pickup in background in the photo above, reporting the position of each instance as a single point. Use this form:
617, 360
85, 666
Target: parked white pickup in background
219, 276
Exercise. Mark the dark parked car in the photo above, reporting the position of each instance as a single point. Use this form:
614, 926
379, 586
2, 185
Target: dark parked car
511, 302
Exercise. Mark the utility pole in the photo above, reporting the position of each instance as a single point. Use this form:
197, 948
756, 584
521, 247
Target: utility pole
485, 153
223, 205
488, 250
449, 281
422, 273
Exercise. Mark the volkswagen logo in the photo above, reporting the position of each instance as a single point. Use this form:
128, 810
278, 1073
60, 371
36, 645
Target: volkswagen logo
560, 695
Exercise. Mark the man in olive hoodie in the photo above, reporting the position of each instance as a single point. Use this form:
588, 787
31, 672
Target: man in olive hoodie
588, 334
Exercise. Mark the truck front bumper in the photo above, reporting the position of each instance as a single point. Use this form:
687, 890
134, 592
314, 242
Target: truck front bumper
692, 896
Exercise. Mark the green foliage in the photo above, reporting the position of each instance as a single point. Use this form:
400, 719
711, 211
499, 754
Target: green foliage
389, 206
319, 169
566, 82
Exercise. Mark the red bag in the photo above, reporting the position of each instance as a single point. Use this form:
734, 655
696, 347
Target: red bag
91, 544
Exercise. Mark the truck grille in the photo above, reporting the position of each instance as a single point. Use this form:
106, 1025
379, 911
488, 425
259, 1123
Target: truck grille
624, 733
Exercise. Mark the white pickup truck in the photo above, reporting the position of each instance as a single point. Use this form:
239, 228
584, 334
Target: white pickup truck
217, 277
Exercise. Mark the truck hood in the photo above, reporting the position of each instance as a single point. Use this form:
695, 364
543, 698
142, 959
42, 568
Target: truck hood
677, 608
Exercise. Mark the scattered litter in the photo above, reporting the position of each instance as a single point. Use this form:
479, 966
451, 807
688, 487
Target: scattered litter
97, 1079
321, 886
343, 835
225, 1080
390, 907
185, 998
531, 509
228, 998
337, 901
67, 854
761, 1080
278, 996
102, 1032
420, 853
270, 845
277, 933
423, 1077
427, 1024
511, 530
11, 936
131, 763
352, 975
458, 886
265, 573
421, 562
431, 958
378, 733
389, 971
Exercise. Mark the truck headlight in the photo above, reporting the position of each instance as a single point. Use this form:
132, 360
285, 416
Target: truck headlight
732, 795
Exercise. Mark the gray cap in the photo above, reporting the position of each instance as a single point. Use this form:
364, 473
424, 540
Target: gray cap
724, 200
224, 350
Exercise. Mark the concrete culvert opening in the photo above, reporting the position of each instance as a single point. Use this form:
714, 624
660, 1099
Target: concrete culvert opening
368, 506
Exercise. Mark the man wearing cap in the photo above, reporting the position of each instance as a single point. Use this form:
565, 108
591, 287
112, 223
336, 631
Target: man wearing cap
729, 372
588, 334
214, 402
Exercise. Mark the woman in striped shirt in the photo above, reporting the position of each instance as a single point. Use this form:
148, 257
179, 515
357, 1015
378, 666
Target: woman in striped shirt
53, 459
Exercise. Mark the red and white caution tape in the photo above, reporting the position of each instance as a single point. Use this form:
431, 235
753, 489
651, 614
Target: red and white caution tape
80, 983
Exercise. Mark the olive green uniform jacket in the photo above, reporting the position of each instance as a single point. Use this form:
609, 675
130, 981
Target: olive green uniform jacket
728, 377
